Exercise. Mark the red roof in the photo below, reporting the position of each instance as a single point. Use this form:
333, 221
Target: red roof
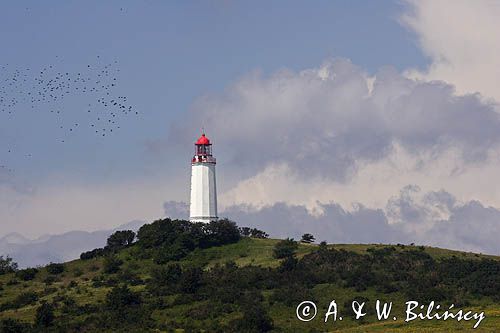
203, 140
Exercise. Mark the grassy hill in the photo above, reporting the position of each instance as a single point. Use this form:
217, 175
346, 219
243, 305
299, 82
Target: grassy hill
80, 289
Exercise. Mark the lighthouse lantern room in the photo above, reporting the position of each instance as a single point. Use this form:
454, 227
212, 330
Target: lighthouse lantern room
203, 205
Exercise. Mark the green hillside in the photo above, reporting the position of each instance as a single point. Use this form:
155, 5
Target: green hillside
241, 286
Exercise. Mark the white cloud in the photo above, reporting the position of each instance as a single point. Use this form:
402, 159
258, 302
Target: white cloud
461, 39
321, 135
373, 184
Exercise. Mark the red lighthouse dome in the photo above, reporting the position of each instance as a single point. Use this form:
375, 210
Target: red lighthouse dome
203, 140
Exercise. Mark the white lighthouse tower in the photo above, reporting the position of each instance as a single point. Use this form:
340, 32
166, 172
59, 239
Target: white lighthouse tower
203, 206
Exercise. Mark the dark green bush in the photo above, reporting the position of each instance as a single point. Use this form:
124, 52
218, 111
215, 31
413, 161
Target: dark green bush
285, 248
120, 239
7, 265
44, 315
93, 254
10, 325
27, 274
23, 299
112, 264
55, 268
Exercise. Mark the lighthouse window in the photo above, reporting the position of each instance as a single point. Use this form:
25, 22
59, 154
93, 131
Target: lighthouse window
203, 150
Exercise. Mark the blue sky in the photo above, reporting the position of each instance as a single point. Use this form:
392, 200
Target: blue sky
169, 54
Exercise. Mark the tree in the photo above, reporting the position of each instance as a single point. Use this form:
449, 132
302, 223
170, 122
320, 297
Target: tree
245, 231
223, 232
307, 238
44, 315
120, 239
252, 232
256, 233
162, 232
7, 265
285, 248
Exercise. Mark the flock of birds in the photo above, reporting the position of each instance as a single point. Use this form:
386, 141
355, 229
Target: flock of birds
73, 101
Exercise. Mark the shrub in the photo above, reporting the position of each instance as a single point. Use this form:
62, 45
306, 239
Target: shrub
255, 319
55, 268
7, 265
77, 272
190, 280
252, 232
93, 268
51, 279
12, 282
125, 307
168, 253
127, 275
10, 325
49, 290
44, 315
285, 248
27, 274
292, 294
121, 297
112, 264
245, 231
92, 254
256, 233
164, 279
23, 299
98, 281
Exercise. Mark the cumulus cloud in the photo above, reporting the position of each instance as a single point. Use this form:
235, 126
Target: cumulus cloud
439, 219
460, 37
430, 218
333, 133
327, 121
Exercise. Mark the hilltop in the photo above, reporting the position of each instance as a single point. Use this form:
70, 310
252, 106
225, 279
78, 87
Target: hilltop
219, 279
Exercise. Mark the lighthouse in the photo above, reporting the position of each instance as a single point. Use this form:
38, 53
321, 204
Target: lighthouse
203, 205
